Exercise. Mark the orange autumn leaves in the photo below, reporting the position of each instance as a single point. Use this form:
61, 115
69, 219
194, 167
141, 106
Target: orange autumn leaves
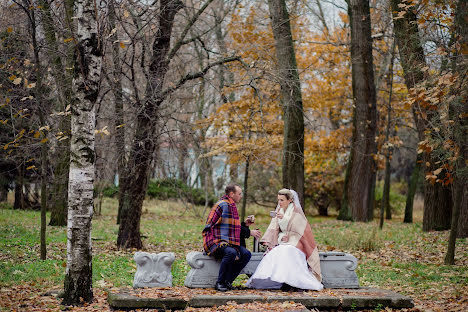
252, 125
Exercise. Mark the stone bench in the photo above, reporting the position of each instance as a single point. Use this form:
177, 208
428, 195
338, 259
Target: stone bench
338, 269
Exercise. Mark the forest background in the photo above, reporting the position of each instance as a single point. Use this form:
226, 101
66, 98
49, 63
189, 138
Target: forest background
364, 108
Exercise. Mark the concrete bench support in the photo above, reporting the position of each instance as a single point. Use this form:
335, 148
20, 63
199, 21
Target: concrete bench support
153, 270
338, 269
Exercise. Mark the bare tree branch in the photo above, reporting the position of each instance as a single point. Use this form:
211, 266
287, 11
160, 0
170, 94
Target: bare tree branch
192, 76
192, 21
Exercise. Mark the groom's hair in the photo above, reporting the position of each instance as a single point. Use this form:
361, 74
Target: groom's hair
231, 188
285, 192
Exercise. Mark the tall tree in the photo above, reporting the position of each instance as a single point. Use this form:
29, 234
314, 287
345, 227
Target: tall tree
116, 82
293, 115
135, 184
437, 197
62, 77
78, 278
43, 106
386, 189
359, 189
458, 112
146, 124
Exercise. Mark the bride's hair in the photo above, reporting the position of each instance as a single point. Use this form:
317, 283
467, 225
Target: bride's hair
286, 192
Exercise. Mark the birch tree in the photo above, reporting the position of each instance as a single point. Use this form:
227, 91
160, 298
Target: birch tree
78, 278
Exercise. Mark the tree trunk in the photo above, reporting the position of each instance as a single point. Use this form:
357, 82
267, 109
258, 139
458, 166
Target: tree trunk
458, 109
42, 109
19, 202
58, 213
246, 188
323, 210
44, 165
322, 202
182, 156
412, 186
345, 212
389, 149
293, 115
225, 73
460, 187
78, 277
437, 207
137, 171
437, 199
116, 82
463, 219
144, 143
205, 170
58, 216
361, 184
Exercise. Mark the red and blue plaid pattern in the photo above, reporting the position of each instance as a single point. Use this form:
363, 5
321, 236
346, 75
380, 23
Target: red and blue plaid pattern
222, 225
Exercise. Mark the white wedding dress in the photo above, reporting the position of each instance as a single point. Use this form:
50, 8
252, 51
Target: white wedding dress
284, 264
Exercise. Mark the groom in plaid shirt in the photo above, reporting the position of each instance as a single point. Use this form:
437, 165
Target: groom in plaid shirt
221, 238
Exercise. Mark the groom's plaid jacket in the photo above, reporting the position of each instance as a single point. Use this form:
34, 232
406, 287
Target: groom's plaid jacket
222, 226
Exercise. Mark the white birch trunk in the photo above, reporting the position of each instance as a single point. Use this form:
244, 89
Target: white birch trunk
78, 279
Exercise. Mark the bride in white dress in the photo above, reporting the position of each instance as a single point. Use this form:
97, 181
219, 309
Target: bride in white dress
292, 258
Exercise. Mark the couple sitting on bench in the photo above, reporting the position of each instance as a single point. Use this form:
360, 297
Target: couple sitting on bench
291, 260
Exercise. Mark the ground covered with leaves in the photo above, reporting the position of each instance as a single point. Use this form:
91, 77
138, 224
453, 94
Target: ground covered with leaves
400, 258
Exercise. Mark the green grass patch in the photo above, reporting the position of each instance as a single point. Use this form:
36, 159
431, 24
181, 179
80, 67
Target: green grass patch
399, 257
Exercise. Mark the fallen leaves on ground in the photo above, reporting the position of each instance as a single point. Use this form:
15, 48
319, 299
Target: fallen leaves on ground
26, 298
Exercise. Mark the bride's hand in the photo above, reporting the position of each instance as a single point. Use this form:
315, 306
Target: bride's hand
285, 238
279, 215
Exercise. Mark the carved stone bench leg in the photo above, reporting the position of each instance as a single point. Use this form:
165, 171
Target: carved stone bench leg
153, 270
338, 270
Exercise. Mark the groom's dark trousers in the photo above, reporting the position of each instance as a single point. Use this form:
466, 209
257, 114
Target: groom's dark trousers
230, 267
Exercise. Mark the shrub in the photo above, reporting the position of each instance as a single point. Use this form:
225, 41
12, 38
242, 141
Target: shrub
174, 188
110, 191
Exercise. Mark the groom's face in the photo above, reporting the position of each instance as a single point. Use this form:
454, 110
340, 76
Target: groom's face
237, 195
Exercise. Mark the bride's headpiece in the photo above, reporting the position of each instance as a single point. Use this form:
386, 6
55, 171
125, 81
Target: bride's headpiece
286, 192
291, 194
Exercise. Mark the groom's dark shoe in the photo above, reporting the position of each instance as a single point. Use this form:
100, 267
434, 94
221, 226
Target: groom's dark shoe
221, 287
